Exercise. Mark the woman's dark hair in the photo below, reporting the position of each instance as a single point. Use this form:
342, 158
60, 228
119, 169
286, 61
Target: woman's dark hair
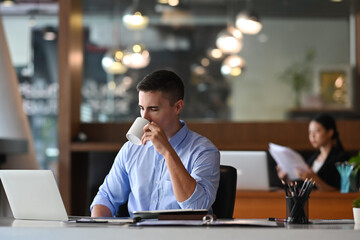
329, 123
168, 82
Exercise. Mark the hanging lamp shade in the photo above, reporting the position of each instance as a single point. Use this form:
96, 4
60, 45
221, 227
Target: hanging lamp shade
228, 43
137, 57
112, 62
8, 3
215, 54
248, 22
13, 121
232, 66
134, 17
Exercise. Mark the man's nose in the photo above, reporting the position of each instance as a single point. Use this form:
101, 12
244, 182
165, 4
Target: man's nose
146, 115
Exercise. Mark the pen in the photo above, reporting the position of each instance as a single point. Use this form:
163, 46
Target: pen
277, 219
285, 188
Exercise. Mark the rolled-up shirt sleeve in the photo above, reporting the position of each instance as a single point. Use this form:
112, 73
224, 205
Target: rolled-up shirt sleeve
206, 172
115, 189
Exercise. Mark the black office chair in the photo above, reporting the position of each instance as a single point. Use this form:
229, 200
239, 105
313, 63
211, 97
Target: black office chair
223, 206
123, 211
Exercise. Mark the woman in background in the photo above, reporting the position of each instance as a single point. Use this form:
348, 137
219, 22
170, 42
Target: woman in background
323, 136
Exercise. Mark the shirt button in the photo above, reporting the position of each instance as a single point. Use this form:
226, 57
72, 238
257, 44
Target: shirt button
154, 201
157, 182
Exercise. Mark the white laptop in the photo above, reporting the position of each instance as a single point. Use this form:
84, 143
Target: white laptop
33, 194
251, 166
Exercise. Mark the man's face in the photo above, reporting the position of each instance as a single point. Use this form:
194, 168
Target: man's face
155, 107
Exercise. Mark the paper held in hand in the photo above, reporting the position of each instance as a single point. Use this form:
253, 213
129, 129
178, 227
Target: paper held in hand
287, 159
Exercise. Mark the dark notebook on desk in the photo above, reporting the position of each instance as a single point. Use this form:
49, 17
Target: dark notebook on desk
172, 214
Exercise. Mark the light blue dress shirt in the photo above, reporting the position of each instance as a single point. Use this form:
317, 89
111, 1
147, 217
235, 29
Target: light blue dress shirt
140, 176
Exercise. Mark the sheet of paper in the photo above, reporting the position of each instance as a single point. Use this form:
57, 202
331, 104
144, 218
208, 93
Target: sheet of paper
287, 159
109, 220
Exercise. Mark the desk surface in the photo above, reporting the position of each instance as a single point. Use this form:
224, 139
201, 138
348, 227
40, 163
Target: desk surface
22, 229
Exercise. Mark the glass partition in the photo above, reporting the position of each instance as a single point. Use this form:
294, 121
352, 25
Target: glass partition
31, 32
300, 59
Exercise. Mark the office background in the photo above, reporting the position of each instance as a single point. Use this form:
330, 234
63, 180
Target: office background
93, 116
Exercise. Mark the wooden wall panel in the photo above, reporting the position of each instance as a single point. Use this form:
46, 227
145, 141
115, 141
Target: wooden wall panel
234, 136
70, 77
264, 204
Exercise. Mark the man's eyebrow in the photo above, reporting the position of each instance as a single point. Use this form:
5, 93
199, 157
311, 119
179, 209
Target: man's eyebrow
151, 107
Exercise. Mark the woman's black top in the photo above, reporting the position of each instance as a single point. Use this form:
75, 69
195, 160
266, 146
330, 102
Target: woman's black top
328, 172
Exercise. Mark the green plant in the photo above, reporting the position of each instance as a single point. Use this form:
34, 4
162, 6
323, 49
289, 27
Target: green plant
299, 75
355, 161
354, 177
356, 203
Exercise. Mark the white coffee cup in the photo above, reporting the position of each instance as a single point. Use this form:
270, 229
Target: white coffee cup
136, 130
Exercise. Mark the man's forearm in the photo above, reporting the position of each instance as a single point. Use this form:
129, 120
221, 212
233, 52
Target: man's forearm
182, 182
100, 211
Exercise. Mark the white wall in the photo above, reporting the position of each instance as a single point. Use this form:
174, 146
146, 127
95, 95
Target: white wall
258, 94
18, 36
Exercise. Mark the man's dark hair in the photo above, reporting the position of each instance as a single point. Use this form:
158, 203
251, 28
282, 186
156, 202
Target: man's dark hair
168, 82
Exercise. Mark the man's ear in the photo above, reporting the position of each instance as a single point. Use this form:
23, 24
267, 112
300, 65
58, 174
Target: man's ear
179, 106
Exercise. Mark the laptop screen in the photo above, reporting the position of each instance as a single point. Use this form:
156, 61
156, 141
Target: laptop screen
33, 194
251, 166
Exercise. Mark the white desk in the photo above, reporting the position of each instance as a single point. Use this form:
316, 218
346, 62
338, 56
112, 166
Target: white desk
38, 230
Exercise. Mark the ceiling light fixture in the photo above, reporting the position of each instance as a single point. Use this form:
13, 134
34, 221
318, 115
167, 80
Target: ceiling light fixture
173, 3
112, 62
137, 57
134, 17
8, 3
233, 66
228, 43
248, 22
49, 33
215, 54
229, 40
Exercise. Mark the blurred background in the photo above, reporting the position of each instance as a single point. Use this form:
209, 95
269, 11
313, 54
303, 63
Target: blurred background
241, 60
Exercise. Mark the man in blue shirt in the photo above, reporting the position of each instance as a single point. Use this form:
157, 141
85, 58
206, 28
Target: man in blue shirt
173, 168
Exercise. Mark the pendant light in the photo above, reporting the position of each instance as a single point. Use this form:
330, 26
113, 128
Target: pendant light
229, 40
232, 66
112, 61
137, 57
215, 54
248, 21
134, 17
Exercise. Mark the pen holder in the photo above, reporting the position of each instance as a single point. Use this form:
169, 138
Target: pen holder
297, 210
344, 170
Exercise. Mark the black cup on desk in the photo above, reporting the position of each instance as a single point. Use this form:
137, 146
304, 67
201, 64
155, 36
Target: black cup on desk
297, 209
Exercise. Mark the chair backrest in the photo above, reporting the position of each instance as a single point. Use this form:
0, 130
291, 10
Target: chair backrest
123, 211
223, 206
